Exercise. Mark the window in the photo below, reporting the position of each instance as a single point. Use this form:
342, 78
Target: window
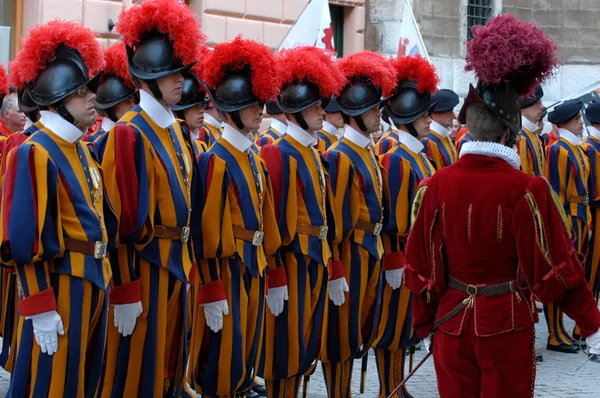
337, 24
478, 13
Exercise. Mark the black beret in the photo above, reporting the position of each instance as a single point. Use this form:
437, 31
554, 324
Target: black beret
273, 108
565, 111
537, 95
333, 106
592, 113
446, 100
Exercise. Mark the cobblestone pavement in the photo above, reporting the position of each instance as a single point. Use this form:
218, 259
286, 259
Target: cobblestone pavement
584, 383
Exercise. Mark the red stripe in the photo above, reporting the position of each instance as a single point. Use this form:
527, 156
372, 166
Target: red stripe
271, 154
209, 173
125, 148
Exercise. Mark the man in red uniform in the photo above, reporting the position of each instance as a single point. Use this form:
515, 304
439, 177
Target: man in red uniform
12, 119
488, 238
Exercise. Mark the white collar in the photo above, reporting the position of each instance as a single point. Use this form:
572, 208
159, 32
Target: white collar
280, 127
195, 134
328, 127
235, 138
301, 135
528, 124
356, 137
438, 128
159, 115
208, 119
493, 150
411, 142
594, 132
569, 136
28, 123
107, 124
59, 126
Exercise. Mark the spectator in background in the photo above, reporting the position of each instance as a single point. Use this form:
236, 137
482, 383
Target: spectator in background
13, 119
454, 128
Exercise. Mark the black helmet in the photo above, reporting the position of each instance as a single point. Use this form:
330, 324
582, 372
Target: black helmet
193, 93
359, 97
296, 97
333, 106
112, 91
62, 76
234, 91
408, 104
26, 105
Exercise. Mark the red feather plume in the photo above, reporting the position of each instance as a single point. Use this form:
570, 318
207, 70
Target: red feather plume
43, 40
3, 81
237, 54
167, 16
313, 64
417, 69
116, 62
507, 50
197, 69
369, 66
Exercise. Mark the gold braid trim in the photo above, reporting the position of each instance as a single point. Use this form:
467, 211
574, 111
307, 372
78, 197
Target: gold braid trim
561, 210
500, 226
417, 203
539, 226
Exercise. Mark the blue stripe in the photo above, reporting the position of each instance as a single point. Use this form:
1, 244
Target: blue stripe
75, 325
448, 160
150, 345
99, 348
237, 364
580, 184
534, 153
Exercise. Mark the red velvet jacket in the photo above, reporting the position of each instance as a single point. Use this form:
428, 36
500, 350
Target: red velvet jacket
483, 222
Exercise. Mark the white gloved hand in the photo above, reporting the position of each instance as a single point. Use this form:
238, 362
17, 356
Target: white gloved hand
276, 299
337, 288
126, 317
46, 328
394, 277
593, 341
213, 313
427, 342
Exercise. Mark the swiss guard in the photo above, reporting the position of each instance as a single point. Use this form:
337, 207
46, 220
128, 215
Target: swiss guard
487, 238
360, 191
439, 146
333, 122
152, 168
278, 125
406, 165
235, 230
211, 128
568, 170
116, 93
53, 220
531, 147
297, 294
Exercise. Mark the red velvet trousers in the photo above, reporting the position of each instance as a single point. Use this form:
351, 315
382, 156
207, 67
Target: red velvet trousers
499, 366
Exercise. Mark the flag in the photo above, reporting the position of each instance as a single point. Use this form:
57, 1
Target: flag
312, 28
411, 42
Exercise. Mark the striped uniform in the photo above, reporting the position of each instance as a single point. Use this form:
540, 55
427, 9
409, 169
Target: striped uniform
9, 296
405, 169
63, 181
386, 142
358, 186
466, 137
326, 140
210, 134
267, 137
292, 340
591, 146
153, 171
234, 193
568, 170
440, 149
532, 154
94, 136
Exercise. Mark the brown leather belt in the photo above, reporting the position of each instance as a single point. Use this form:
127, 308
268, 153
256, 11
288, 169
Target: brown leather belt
96, 249
312, 230
374, 228
173, 233
256, 237
472, 291
584, 200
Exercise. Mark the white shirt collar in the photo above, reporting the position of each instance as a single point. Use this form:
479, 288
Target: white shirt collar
161, 116
301, 135
438, 128
356, 137
567, 135
528, 124
107, 124
208, 119
411, 142
594, 132
280, 127
492, 149
59, 126
235, 138
195, 134
330, 128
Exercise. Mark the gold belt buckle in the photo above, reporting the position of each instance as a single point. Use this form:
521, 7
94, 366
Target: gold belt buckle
185, 234
258, 238
100, 250
323, 232
378, 228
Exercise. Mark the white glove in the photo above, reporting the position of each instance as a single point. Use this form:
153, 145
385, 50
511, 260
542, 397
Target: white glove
428, 341
276, 299
593, 341
46, 327
213, 313
337, 288
126, 317
394, 277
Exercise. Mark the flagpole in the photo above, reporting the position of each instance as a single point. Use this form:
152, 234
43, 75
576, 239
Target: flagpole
586, 90
407, 4
294, 24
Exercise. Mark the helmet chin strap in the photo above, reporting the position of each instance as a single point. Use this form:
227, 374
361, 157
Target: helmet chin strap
33, 116
300, 119
61, 109
110, 112
412, 130
235, 116
361, 123
153, 86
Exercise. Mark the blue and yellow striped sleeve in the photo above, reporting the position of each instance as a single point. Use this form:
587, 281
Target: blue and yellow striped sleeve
558, 173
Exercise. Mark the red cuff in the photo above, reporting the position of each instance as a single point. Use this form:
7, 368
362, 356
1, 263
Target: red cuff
192, 274
277, 278
10, 270
211, 293
336, 270
393, 261
126, 294
38, 303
